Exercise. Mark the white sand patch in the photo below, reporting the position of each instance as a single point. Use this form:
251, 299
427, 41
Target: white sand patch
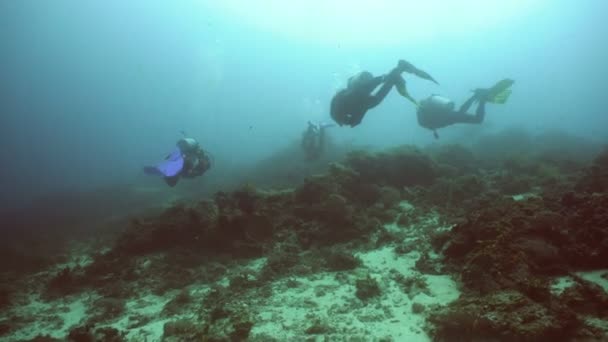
560, 284
598, 323
595, 277
524, 196
329, 300
54, 318
145, 307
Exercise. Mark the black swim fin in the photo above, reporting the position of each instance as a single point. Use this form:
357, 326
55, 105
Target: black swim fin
402, 90
425, 75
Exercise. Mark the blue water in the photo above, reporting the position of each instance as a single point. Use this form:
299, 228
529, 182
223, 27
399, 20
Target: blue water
92, 90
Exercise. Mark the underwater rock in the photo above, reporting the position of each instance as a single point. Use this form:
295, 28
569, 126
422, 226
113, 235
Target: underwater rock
340, 260
183, 330
587, 298
281, 260
457, 157
5, 298
418, 308
228, 323
596, 176
503, 316
64, 282
398, 167
413, 285
44, 338
367, 288
105, 309
319, 328
426, 265
178, 303
88, 333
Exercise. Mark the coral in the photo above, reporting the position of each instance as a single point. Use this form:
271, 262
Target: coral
418, 308
5, 298
457, 157
389, 197
398, 167
109, 335
44, 338
177, 303
183, 330
367, 288
5, 328
64, 282
507, 314
105, 309
280, 260
242, 282
341, 260
318, 328
426, 265
586, 298
412, 286
81, 334
596, 176
228, 324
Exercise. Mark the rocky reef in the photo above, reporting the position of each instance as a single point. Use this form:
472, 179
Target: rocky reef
505, 229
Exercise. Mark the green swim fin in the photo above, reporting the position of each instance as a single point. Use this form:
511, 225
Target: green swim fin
500, 92
401, 89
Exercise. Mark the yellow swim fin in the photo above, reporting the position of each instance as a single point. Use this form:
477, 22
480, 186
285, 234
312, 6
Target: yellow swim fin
500, 92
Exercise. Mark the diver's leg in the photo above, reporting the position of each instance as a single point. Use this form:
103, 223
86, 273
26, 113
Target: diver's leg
480, 114
321, 140
171, 181
382, 92
468, 103
389, 81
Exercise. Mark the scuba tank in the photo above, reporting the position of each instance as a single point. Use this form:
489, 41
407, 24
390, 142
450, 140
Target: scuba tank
187, 145
437, 103
359, 80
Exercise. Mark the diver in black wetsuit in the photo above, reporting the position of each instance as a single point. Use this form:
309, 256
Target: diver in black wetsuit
437, 112
349, 105
313, 140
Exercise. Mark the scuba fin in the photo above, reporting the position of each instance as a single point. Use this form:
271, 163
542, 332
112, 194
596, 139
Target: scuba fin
408, 67
501, 97
500, 92
401, 89
424, 75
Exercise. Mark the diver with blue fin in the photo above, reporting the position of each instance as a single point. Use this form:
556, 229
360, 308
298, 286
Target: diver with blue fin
349, 105
437, 111
188, 160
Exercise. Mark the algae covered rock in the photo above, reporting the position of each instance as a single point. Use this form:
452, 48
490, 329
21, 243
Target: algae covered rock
398, 167
507, 315
367, 288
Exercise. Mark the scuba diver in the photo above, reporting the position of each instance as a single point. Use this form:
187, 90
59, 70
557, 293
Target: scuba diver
188, 160
437, 112
313, 139
349, 105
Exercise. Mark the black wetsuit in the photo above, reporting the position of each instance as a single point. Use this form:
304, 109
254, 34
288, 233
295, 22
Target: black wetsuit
348, 106
313, 140
434, 118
